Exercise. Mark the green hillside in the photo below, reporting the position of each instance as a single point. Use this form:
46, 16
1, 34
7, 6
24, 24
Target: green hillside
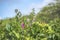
45, 25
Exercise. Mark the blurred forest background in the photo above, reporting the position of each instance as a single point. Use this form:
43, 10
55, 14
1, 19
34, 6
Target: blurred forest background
45, 25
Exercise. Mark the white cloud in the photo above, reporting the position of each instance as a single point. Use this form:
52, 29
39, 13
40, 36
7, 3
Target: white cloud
38, 6
0, 18
48, 1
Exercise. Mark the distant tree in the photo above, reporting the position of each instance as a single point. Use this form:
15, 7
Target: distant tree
18, 14
32, 14
49, 12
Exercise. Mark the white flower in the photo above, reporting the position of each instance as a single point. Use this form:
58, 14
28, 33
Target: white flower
28, 20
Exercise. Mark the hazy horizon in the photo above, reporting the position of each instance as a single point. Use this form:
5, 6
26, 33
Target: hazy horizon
7, 7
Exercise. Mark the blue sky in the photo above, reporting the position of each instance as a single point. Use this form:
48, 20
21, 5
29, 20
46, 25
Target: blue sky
7, 7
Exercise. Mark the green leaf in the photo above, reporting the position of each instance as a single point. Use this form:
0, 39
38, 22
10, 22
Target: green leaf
16, 34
